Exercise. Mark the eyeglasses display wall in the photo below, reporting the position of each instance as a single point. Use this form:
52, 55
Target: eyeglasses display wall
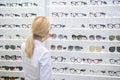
85, 39
15, 21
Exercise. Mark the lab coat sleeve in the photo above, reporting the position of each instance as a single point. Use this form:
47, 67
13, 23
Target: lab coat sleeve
45, 67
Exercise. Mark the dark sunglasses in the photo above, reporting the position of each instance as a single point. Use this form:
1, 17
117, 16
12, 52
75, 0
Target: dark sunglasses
113, 37
113, 48
76, 48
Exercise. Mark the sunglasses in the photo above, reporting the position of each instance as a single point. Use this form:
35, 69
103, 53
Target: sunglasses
79, 37
13, 47
98, 2
113, 61
97, 37
60, 36
96, 61
19, 68
113, 37
59, 58
58, 47
79, 60
96, 48
13, 57
113, 48
76, 48
11, 78
8, 68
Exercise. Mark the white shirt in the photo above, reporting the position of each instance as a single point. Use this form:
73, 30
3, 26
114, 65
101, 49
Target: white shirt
38, 67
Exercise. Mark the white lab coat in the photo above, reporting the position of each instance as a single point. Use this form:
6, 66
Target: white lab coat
38, 67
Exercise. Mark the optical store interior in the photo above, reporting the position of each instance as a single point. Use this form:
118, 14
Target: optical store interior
85, 41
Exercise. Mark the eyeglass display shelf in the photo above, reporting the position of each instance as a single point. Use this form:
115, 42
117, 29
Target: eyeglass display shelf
81, 52
85, 75
86, 64
82, 41
11, 73
11, 62
83, 6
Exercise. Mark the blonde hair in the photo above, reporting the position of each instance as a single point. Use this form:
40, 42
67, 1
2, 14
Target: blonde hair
40, 27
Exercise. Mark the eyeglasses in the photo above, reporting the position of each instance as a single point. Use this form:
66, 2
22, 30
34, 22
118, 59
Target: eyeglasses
104, 26
113, 61
78, 14
25, 15
114, 73
97, 26
97, 72
78, 71
96, 48
60, 36
112, 37
98, 37
79, 37
96, 61
25, 4
98, 2
116, 2
15, 26
79, 60
77, 3
59, 58
76, 48
112, 49
115, 26
58, 47
59, 3
59, 14
57, 26
97, 14
61, 70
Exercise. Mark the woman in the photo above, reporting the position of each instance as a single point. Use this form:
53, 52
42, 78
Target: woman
36, 58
